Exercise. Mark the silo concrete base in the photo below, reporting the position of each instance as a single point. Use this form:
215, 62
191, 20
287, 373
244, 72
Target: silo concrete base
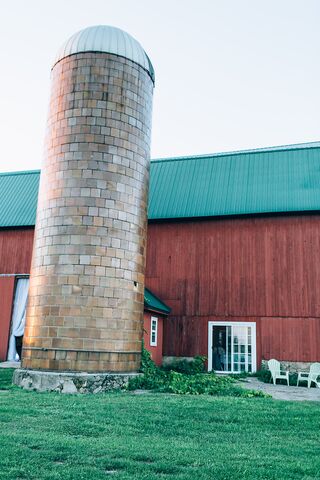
70, 382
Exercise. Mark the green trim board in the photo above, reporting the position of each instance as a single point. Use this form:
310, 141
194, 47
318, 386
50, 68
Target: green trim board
250, 182
154, 304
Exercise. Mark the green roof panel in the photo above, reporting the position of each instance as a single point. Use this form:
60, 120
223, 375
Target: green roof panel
267, 180
278, 179
153, 303
18, 198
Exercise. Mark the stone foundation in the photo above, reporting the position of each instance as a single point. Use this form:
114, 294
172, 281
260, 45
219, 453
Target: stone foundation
292, 367
71, 382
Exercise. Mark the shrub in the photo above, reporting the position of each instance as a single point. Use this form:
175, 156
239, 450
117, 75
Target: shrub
293, 377
189, 367
264, 375
171, 381
239, 376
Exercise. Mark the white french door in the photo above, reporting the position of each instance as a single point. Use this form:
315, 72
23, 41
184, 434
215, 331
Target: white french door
232, 347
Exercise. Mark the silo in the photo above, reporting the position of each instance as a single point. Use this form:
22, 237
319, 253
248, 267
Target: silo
85, 308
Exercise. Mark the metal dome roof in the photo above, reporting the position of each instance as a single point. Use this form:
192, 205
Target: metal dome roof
104, 38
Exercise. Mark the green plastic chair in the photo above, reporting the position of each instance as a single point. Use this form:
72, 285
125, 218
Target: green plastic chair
276, 373
311, 376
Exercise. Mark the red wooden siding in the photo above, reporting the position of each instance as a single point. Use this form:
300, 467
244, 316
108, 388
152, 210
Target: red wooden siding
6, 300
188, 336
263, 270
15, 257
239, 269
16, 250
156, 352
296, 339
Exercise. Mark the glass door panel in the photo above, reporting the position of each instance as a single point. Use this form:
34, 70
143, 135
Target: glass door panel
220, 349
232, 348
229, 350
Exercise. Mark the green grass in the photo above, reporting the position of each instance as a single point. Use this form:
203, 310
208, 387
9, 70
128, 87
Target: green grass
155, 436
6, 378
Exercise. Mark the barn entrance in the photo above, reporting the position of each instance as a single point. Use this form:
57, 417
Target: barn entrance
232, 347
18, 319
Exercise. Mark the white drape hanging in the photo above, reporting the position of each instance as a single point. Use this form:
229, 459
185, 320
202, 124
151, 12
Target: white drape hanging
18, 316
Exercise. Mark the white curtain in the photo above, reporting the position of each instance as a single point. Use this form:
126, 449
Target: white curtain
18, 316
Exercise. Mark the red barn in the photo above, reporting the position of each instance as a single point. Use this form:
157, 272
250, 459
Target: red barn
233, 250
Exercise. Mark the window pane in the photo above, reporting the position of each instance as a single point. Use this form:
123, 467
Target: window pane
153, 331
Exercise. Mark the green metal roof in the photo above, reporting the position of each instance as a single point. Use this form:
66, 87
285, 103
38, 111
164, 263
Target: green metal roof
153, 303
277, 179
18, 198
266, 180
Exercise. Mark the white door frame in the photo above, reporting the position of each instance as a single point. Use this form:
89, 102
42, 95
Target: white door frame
233, 324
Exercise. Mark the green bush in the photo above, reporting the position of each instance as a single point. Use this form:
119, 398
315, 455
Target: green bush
265, 376
171, 381
293, 377
189, 367
239, 376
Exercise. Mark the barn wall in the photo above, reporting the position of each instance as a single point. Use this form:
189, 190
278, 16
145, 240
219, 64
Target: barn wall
6, 300
15, 257
295, 339
16, 250
265, 270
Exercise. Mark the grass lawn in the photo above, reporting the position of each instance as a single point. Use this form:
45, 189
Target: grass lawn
155, 436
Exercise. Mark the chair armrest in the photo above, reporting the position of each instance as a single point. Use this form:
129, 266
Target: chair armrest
303, 374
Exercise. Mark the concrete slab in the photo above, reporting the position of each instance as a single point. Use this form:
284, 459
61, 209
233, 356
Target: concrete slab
10, 364
283, 392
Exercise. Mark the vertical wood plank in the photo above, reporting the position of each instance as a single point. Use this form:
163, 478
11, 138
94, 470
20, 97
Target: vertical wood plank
6, 301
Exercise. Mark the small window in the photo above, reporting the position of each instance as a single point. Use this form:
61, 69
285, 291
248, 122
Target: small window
154, 332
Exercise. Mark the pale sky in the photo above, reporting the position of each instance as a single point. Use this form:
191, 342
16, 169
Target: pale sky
230, 74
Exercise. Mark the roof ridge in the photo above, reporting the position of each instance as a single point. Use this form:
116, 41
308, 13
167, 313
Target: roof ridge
19, 172
278, 148
293, 146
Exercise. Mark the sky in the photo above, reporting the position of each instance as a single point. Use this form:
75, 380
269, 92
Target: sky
230, 74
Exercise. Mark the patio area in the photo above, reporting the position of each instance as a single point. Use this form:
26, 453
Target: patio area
283, 392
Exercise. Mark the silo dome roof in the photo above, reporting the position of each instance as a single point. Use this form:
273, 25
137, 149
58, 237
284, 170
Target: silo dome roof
103, 38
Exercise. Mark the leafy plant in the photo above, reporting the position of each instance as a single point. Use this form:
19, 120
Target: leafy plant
239, 376
171, 381
265, 376
189, 367
293, 377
